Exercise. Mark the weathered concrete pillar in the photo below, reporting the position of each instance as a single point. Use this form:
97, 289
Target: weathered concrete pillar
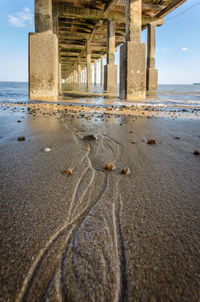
95, 73
55, 21
102, 74
110, 69
133, 55
43, 16
59, 78
152, 73
43, 54
79, 74
89, 74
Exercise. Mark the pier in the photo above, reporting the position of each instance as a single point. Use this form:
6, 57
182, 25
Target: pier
70, 36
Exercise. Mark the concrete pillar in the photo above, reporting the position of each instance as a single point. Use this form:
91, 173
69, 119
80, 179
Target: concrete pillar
43, 16
55, 21
152, 73
79, 74
133, 55
102, 74
110, 69
59, 78
43, 54
89, 74
95, 73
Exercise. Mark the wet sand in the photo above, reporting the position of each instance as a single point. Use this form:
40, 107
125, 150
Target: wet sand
98, 235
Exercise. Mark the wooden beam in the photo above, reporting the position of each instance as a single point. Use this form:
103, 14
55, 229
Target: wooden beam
168, 9
109, 5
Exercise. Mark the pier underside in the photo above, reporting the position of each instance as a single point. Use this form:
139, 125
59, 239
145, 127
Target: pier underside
84, 33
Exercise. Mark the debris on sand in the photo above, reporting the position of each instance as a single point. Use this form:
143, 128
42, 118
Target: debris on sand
177, 137
109, 167
151, 141
68, 171
47, 149
90, 137
21, 138
133, 142
19, 121
125, 171
196, 152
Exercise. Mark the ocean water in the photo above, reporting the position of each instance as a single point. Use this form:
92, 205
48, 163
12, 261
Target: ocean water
167, 96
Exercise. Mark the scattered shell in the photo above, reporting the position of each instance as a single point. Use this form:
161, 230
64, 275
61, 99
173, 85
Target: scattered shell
21, 138
47, 149
68, 171
125, 171
109, 167
151, 141
133, 142
90, 137
196, 152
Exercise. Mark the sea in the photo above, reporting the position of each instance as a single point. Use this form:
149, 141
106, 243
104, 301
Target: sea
167, 96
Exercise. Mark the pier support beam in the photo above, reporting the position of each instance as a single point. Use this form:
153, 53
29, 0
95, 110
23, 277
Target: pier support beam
95, 73
59, 78
79, 74
110, 69
133, 55
102, 72
43, 54
89, 74
152, 73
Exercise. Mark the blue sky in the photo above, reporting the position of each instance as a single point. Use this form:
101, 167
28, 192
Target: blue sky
177, 43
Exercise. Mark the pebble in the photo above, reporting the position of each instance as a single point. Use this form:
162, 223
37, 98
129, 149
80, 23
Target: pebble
196, 152
68, 171
125, 171
47, 149
151, 141
90, 137
109, 167
21, 138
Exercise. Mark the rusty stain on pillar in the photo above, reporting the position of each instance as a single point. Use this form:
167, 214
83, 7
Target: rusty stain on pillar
89, 74
43, 54
152, 73
110, 69
133, 55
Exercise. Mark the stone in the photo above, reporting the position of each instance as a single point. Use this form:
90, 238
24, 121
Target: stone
109, 167
125, 171
151, 141
21, 138
196, 152
89, 137
68, 171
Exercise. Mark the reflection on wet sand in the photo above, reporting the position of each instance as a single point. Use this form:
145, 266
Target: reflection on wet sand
99, 235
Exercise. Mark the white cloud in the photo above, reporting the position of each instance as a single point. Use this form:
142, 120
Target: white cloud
184, 49
22, 18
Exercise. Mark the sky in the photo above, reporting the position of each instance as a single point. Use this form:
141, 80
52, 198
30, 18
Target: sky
177, 43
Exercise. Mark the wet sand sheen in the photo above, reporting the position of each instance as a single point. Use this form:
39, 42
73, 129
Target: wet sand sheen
99, 235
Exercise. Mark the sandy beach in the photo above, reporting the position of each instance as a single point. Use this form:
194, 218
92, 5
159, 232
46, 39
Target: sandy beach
98, 235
